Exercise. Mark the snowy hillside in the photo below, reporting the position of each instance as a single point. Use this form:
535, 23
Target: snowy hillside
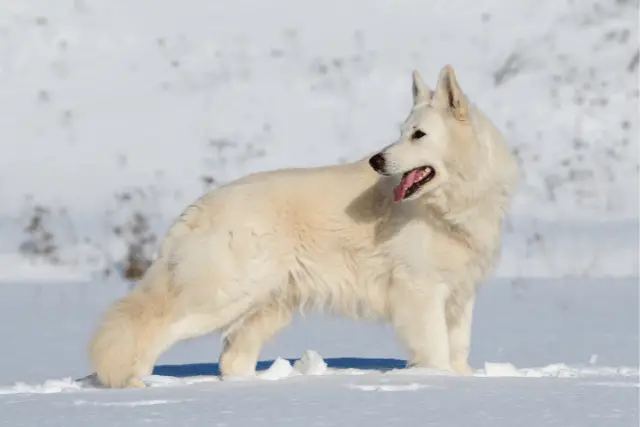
115, 108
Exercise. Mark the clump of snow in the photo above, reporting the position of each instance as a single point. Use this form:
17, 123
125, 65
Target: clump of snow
500, 370
48, 387
556, 370
311, 363
279, 369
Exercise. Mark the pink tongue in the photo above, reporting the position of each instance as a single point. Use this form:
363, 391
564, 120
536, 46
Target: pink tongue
401, 189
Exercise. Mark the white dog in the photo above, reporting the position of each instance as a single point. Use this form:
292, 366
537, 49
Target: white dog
405, 236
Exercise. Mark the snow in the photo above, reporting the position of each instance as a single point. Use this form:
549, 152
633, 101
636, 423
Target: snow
311, 363
109, 109
544, 351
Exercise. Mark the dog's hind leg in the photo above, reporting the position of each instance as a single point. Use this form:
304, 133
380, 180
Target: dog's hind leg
459, 316
244, 340
137, 329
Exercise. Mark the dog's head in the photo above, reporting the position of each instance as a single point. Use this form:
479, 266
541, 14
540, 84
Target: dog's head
438, 141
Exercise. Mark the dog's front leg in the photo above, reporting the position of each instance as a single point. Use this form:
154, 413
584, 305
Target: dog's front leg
419, 317
460, 316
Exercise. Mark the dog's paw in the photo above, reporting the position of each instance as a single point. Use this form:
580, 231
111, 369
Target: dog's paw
136, 383
461, 368
430, 367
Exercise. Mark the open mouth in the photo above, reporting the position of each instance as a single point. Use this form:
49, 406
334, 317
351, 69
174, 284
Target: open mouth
412, 181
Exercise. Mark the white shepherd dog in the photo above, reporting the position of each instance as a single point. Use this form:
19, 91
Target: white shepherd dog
405, 236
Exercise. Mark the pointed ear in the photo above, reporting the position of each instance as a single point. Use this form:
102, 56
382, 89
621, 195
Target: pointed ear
421, 92
449, 95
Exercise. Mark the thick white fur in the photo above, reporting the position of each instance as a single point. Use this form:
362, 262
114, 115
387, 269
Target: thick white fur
243, 258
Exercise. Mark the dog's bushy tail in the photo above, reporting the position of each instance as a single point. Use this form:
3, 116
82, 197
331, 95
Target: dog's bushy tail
129, 336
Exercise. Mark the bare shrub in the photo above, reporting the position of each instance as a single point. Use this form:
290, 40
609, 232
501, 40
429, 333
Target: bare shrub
136, 231
40, 242
510, 68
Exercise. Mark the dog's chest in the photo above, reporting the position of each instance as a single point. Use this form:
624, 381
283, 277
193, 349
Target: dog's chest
427, 250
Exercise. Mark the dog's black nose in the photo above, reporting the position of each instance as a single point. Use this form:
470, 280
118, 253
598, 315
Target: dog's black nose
378, 163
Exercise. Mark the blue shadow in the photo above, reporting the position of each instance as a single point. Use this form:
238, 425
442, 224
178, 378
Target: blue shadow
207, 369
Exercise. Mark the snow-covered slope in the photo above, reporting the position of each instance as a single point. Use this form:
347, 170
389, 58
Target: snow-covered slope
110, 108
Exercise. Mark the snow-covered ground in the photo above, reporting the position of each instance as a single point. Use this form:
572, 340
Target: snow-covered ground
110, 109
573, 346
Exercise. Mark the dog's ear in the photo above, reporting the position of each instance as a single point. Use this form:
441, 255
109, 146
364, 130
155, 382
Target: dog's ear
421, 92
449, 95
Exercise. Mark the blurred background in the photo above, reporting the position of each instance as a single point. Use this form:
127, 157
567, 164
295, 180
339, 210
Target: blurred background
114, 115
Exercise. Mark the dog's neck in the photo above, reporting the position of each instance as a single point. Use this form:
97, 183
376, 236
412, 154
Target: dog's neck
477, 222
478, 209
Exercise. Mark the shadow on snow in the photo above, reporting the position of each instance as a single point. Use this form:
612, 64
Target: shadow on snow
207, 369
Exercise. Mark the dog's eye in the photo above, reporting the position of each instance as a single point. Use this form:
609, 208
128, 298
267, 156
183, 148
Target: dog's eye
417, 134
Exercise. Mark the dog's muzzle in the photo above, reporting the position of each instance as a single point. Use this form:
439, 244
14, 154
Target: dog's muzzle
379, 164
